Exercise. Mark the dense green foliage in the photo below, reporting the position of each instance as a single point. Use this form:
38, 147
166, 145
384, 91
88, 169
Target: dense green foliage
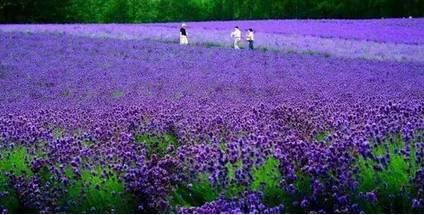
15, 162
392, 181
87, 193
92, 194
158, 145
134, 11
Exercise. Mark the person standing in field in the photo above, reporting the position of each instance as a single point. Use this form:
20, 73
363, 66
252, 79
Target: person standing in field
250, 38
236, 35
183, 35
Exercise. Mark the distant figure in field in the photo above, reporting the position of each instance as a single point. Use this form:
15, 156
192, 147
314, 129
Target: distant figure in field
236, 35
183, 35
250, 38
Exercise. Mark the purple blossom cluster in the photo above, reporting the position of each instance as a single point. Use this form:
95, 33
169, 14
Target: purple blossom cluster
250, 203
204, 130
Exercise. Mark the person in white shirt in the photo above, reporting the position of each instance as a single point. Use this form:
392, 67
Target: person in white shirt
250, 38
236, 35
183, 35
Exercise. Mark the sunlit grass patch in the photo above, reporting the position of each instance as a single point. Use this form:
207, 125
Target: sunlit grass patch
15, 162
58, 132
87, 143
389, 174
96, 193
197, 193
157, 144
322, 136
266, 178
234, 188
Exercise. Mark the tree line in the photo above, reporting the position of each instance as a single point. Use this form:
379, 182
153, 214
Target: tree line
140, 11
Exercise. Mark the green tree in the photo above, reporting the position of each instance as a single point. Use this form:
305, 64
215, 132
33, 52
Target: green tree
136, 11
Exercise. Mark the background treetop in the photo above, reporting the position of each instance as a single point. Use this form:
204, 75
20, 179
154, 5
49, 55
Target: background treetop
140, 11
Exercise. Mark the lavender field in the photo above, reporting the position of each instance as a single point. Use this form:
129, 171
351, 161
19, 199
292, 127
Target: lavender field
122, 119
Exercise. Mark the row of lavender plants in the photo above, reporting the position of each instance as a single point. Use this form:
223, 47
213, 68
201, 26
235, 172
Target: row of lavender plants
393, 39
104, 125
402, 31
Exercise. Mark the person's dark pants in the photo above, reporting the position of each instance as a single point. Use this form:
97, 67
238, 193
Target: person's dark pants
251, 45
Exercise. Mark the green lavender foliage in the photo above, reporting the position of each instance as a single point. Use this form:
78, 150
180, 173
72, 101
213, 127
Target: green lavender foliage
157, 144
392, 182
94, 193
15, 162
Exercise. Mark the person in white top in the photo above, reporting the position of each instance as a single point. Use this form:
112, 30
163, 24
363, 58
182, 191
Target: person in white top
236, 35
250, 38
183, 35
